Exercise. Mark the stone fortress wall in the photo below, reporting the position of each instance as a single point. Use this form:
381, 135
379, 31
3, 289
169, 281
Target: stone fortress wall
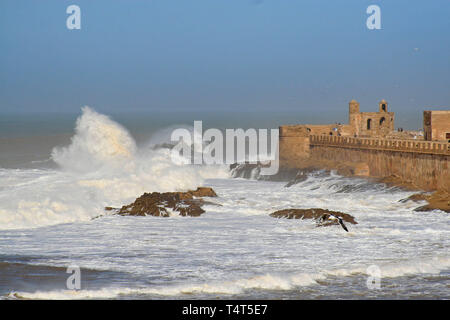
363, 142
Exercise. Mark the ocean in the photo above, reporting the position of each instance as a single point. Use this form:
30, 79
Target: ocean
58, 173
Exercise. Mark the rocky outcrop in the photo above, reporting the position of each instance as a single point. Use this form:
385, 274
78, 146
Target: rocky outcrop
203, 192
322, 217
396, 181
291, 175
163, 145
168, 203
304, 167
417, 197
248, 170
439, 200
300, 177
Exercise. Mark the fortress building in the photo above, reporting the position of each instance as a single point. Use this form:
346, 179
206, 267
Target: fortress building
370, 124
436, 125
361, 124
369, 146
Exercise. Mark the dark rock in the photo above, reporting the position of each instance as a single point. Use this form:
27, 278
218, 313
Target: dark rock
323, 217
438, 200
245, 170
424, 208
432, 207
300, 177
164, 145
203, 192
163, 204
415, 198
252, 170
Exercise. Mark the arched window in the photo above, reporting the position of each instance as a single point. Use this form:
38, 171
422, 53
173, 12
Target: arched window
383, 107
382, 121
369, 122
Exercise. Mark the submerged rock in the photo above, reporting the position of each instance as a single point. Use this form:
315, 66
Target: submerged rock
399, 182
438, 200
163, 145
417, 197
168, 203
252, 171
323, 217
203, 192
300, 177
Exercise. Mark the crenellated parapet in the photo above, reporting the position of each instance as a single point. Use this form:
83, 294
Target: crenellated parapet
362, 148
426, 147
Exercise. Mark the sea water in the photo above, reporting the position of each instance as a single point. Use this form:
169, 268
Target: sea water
52, 216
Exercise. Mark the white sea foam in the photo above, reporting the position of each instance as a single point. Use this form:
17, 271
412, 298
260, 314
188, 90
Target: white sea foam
432, 265
101, 167
98, 142
239, 286
234, 248
263, 282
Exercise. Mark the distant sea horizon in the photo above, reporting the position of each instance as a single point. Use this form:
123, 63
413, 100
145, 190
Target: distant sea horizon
29, 137
20, 124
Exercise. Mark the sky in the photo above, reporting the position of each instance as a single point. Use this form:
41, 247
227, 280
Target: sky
309, 57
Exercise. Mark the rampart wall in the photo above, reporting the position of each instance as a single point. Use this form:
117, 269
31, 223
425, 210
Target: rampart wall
424, 163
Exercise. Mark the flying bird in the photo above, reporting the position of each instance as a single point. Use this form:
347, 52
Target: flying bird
339, 219
341, 222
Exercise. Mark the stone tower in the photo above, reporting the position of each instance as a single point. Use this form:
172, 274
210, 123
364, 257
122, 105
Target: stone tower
383, 105
354, 116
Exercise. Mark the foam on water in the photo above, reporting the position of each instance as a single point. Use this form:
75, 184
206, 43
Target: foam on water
234, 287
101, 167
264, 282
98, 142
235, 248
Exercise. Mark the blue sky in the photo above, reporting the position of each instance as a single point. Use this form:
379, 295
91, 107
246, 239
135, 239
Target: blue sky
224, 55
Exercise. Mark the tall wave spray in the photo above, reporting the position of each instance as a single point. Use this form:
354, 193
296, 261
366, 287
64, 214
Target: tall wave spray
101, 167
98, 142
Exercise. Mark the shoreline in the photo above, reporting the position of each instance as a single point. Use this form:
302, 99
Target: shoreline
436, 198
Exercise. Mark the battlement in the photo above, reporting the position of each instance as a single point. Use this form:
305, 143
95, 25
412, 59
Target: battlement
425, 147
363, 147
